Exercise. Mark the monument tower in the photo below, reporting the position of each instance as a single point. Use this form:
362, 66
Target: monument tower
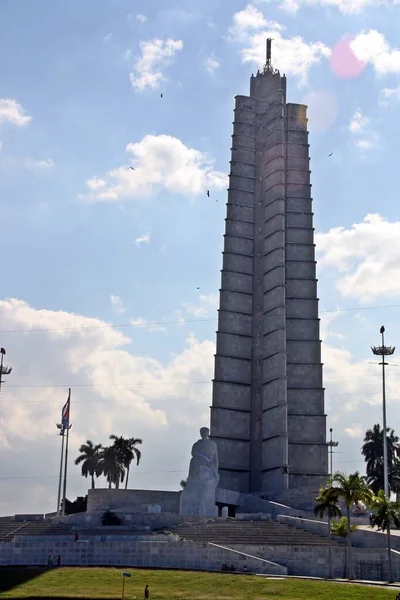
267, 414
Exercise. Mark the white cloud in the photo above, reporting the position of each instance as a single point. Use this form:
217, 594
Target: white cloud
344, 6
362, 260
250, 18
364, 144
360, 125
211, 63
117, 302
159, 161
152, 327
206, 306
155, 54
356, 430
141, 18
371, 46
358, 122
39, 164
388, 94
291, 55
142, 239
113, 391
11, 111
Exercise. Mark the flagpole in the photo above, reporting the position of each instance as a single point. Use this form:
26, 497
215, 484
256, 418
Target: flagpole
66, 453
60, 477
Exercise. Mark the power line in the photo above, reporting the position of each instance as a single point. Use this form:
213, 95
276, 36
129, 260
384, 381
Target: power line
177, 322
77, 475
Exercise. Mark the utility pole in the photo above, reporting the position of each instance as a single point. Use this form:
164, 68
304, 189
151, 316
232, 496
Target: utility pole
331, 444
3, 371
383, 351
66, 426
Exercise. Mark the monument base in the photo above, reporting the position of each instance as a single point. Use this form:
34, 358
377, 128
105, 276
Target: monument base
198, 500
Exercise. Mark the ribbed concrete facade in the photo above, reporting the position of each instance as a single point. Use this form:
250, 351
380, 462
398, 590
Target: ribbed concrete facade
267, 413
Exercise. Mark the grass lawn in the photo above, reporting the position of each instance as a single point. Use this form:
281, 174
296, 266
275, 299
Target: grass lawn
71, 582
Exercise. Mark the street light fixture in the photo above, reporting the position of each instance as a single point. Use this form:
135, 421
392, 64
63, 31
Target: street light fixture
331, 445
383, 351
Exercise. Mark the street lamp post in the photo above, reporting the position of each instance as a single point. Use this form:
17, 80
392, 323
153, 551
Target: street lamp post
3, 370
331, 445
383, 351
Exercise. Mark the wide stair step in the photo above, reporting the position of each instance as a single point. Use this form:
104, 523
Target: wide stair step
9, 529
269, 533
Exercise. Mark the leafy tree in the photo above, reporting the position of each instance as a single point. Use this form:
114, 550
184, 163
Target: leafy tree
127, 452
372, 450
108, 518
340, 528
387, 512
111, 466
327, 504
77, 506
352, 489
90, 458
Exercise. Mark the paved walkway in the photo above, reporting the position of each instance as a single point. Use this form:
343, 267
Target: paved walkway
380, 584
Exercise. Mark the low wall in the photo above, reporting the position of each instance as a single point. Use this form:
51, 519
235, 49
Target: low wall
362, 538
136, 521
132, 500
174, 555
254, 504
313, 561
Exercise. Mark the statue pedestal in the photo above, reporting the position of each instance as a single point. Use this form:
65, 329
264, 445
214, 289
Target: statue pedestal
198, 500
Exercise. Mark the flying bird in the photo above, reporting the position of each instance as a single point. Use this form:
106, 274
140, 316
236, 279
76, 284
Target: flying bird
330, 154
197, 288
161, 95
132, 168
208, 193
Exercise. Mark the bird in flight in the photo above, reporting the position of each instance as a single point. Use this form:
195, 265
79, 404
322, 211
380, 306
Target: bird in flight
197, 288
208, 193
132, 168
330, 154
161, 95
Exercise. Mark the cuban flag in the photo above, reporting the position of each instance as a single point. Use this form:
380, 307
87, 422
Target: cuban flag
65, 414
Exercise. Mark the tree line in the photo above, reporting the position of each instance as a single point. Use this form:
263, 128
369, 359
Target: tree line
112, 461
355, 489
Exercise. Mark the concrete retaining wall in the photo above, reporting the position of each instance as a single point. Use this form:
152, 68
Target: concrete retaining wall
362, 538
132, 500
313, 561
176, 555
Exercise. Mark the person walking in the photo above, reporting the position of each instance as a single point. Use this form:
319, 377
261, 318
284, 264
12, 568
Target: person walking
146, 593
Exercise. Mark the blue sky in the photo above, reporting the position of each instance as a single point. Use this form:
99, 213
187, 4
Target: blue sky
86, 241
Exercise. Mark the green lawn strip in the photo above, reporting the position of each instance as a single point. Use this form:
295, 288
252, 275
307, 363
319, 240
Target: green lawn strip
75, 582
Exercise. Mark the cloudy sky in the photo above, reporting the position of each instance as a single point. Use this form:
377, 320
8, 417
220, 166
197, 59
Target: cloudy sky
87, 242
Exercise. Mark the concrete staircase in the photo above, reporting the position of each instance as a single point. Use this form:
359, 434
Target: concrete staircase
10, 528
271, 533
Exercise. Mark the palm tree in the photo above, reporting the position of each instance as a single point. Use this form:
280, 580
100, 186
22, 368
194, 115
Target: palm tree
327, 504
90, 458
111, 466
352, 489
386, 513
372, 450
340, 528
127, 452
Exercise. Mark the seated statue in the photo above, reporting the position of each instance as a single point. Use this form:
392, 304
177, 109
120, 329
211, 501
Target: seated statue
198, 495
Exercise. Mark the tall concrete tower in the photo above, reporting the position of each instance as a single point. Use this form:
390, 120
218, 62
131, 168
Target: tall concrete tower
267, 413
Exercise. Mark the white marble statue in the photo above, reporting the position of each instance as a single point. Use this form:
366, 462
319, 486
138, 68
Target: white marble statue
198, 496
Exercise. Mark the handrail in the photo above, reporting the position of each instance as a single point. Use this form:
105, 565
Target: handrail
14, 531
